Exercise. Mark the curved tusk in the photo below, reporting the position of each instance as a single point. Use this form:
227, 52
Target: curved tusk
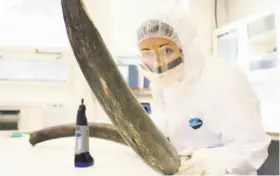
98, 130
112, 92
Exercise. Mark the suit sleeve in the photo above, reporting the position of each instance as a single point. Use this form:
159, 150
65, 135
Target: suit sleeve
240, 128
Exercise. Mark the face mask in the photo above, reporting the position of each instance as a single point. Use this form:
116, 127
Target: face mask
165, 67
166, 78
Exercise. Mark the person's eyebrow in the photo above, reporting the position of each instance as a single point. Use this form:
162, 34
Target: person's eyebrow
145, 49
163, 45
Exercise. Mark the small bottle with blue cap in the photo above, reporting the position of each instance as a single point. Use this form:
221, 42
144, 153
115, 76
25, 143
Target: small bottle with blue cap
82, 155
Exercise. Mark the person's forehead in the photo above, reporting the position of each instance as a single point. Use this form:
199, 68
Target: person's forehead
154, 42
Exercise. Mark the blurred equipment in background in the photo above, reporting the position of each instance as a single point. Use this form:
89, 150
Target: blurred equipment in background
147, 107
9, 119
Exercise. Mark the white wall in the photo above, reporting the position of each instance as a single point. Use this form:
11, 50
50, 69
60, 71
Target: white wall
202, 14
44, 104
233, 10
100, 13
40, 103
126, 15
40, 23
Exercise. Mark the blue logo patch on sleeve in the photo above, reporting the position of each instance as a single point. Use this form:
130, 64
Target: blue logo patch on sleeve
195, 123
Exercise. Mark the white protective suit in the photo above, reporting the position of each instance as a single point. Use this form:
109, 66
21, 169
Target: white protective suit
213, 111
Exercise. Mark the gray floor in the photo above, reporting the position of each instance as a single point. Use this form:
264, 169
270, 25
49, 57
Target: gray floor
271, 165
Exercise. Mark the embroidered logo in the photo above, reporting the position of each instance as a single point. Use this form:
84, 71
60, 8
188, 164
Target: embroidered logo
195, 123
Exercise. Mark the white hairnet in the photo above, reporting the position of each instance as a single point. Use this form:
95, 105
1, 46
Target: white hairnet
174, 24
157, 28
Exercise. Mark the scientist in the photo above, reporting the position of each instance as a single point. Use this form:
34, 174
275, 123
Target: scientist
205, 107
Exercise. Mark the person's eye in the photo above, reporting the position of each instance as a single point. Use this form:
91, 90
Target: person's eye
168, 51
148, 54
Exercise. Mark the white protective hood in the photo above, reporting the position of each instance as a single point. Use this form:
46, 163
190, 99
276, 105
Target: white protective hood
177, 17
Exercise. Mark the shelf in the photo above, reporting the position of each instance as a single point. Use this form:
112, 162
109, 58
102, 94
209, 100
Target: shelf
264, 37
274, 135
142, 91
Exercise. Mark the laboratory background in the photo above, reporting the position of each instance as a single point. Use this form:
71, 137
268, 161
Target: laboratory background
41, 83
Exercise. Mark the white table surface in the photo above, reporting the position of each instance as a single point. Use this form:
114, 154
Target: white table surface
56, 158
